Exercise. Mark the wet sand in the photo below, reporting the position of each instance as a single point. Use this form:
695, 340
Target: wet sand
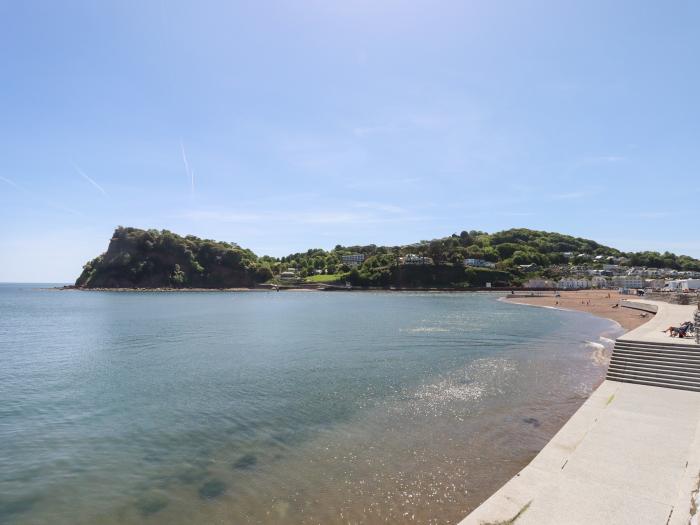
597, 302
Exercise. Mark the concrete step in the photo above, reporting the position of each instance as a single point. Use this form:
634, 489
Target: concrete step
651, 346
651, 358
662, 364
665, 349
653, 383
652, 372
656, 355
689, 344
653, 365
683, 367
666, 380
661, 351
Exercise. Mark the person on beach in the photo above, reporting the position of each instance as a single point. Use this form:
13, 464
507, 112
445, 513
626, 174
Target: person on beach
678, 331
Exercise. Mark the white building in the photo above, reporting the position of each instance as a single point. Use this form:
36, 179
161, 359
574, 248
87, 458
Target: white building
598, 281
289, 275
683, 285
573, 284
353, 259
412, 258
627, 281
479, 263
655, 284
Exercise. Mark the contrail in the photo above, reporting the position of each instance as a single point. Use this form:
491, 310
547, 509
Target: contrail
189, 171
8, 181
89, 179
34, 196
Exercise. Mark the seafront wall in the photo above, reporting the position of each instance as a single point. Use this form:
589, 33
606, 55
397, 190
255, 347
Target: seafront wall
629, 455
644, 307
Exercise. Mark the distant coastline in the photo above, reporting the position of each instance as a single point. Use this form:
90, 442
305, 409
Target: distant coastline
305, 287
512, 259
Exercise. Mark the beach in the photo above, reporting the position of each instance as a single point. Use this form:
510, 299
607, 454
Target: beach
597, 302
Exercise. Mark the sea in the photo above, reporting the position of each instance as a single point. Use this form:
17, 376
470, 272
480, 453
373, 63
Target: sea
278, 407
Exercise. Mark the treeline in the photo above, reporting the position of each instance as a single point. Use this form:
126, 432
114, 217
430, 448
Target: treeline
153, 258
664, 260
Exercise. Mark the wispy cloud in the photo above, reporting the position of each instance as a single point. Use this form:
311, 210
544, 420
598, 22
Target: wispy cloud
37, 197
653, 214
11, 183
380, 206
188, 170
424, 121
322, 155
89, 179
383, 181
572, 195
223, 216
355, 215
604, 159
515, 213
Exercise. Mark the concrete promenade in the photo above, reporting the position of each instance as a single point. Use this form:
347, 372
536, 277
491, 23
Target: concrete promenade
666, 315
629, 455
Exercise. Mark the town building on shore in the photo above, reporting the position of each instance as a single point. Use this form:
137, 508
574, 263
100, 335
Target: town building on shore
683, 285
655, 284
573, 284
598, 281
627, 281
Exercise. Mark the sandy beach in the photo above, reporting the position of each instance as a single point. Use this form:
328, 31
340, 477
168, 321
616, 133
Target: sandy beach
596, 302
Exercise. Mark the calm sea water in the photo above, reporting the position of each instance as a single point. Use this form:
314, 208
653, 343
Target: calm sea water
186, 408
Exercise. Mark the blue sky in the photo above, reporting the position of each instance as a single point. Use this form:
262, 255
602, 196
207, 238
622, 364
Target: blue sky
289, 125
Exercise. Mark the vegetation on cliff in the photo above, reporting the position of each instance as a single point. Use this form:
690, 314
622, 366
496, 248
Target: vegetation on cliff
152, 258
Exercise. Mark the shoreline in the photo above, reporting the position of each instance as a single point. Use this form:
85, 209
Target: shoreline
601, 360
601, 303
584, 470
310, 287
561, 309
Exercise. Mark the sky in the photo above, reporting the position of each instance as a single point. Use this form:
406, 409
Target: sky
285, 126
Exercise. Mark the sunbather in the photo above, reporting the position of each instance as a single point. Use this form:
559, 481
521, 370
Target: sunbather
678, 331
